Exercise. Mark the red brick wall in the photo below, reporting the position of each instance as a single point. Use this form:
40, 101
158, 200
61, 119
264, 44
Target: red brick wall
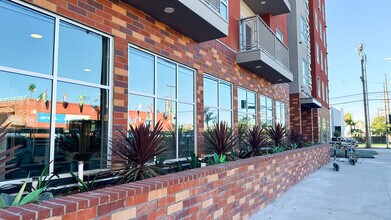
233, 25
316, 70
129, 25
295, 112
234, 190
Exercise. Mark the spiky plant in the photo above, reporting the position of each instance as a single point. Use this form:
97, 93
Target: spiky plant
7, 155
256, 139
221, 139
134, 151
295, 137
277, 135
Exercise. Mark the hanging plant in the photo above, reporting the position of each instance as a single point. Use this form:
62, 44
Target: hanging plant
81, 102
65, 100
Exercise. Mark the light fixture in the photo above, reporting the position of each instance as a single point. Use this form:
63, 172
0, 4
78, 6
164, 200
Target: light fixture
169, 10
263, 2
388, 58
87, 70
258, 67
36, 36
279, 80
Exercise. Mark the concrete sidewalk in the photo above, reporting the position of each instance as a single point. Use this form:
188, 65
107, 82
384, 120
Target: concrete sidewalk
360, 192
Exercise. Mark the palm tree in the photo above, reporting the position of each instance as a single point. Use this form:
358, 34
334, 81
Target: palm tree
32, 89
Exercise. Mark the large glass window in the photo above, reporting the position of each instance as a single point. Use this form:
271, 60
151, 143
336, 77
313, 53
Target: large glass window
168, 99
281, 113
63, 101
217, 101
267, 111
27, 39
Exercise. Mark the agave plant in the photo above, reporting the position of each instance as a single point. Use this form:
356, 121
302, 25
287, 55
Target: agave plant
134, 151
8, 154
221, 139
277, 135
216, 159
297, 138
278, 149
84, 186
256, 139
194, 161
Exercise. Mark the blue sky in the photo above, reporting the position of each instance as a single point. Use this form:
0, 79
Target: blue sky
350, 22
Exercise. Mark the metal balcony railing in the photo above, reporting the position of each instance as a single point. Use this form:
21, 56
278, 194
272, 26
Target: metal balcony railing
256, 34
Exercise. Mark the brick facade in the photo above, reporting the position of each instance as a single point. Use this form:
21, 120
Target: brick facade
235, 190
128, 25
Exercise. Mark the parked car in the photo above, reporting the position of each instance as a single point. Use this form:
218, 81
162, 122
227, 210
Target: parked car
341, 142
352, 141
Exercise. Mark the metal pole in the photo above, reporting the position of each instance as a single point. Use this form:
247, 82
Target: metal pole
364, 87
387, 108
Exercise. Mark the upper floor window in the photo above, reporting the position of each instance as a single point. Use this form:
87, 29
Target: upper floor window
317, 52
323, 92
279, 35
318, 88
221, 6
163, 90
321, 60
267, 111
306, 73
304, 31
217, 101
320, 32
323, 11
316, 21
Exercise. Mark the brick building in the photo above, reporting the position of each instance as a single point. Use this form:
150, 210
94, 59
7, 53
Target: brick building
309, 100
187, 63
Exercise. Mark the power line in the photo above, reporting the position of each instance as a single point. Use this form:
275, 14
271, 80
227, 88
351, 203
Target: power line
356, 94
359, 100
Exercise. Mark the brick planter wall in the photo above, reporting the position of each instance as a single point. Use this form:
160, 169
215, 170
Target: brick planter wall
233, 190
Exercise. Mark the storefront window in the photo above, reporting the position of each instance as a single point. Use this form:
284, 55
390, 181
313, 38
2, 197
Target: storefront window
217, 101
35, 87
172, 103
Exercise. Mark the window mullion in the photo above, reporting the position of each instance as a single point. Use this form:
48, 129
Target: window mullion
54, 97
176, 112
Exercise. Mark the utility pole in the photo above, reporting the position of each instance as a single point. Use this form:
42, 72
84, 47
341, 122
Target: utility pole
387, 100
363, 57
385, 109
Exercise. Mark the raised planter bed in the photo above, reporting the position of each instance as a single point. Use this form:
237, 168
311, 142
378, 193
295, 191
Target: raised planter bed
232, 190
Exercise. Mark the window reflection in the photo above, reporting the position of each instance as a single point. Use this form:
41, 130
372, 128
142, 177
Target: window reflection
25, 103
82, 54
166, 79
166, 114
141, 72
168, 97
225, 95
141, 110
185, 85
267, 111
210, 92
225, 116
27, 38
185, 130
81, 127
210, 117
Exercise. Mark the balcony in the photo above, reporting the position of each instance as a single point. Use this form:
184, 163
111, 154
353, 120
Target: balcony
262, 52
273, 7
201, 20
